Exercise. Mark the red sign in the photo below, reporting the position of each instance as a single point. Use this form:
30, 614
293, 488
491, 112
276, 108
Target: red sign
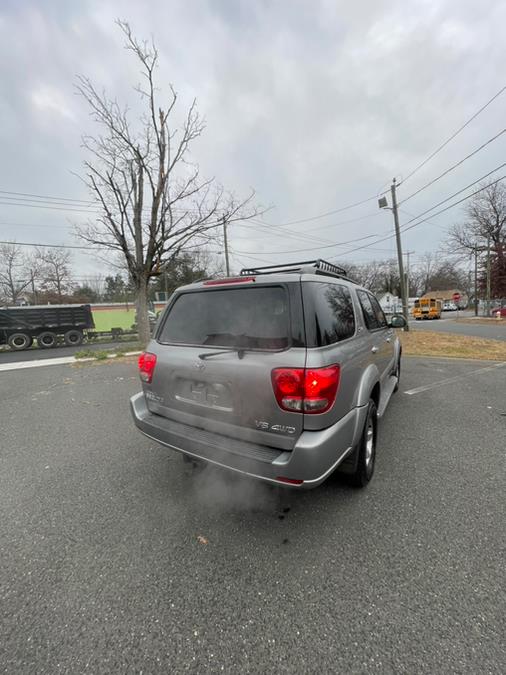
456, 297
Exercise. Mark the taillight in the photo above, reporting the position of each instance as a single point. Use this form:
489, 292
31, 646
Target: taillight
147, 363
290, 481
308, 390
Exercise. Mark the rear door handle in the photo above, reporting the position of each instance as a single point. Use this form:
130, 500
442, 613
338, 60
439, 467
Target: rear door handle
374, 350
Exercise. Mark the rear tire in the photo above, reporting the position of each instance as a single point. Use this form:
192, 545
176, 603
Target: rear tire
366, 449
73, 338
47, 340
19, 341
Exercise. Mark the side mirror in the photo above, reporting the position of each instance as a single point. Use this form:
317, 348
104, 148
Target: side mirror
397, 321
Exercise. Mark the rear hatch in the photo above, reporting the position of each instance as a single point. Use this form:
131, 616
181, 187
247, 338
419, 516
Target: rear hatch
216, 348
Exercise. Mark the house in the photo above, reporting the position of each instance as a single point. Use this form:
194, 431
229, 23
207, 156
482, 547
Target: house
390, 303
447, 295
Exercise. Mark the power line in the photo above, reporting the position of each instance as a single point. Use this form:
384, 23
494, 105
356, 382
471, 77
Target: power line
443, 201
454, 166
328, 213
75, 208
323, 227
299, 236
404, 229
22, 243
54, 208
420, 222
316, 248
411, 215
443, 145
80, 205
37, 225
278, 232
29, 194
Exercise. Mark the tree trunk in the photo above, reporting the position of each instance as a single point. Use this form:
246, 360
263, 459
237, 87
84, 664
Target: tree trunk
142, 311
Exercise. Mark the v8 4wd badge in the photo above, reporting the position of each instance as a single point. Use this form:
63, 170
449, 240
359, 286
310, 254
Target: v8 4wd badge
279, 428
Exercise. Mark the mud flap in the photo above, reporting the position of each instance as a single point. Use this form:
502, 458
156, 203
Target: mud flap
349, 465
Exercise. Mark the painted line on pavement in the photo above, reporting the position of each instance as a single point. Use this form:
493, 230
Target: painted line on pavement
449, 380
58, 361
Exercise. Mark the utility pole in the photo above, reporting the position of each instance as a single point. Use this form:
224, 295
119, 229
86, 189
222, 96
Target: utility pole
34, 292
488, 276
404, 297
225, 242
476, 279
407, 254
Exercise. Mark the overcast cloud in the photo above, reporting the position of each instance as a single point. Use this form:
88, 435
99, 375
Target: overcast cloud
315, 104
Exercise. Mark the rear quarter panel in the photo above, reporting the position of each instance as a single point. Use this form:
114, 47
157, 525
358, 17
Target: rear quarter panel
357, 377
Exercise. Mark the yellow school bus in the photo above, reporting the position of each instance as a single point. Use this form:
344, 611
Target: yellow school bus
427, 308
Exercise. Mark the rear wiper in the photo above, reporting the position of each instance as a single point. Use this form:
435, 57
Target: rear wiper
240, 353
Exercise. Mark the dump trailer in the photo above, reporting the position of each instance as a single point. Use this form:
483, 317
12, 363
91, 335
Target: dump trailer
47, 324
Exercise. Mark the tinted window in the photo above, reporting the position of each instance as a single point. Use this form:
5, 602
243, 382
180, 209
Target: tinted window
380, 315
329, 313
370, 318
248, 318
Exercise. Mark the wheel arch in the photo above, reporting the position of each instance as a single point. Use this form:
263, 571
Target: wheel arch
369, 383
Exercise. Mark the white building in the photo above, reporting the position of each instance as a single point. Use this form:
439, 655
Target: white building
390, 303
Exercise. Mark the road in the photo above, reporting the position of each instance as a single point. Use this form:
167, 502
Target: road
494, 331
103, 572
8, 356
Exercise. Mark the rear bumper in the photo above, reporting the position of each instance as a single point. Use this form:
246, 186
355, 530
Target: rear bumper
315, 455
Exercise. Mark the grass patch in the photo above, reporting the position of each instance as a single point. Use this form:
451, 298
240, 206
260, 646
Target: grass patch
429, 343
103, 354
484, 321
105, 319
85, 354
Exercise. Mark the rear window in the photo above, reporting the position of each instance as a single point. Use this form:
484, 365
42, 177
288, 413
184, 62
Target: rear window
246, 318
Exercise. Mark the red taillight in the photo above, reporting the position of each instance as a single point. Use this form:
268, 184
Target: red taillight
309, 390
147, 363
288, 384
290, 481
228, 280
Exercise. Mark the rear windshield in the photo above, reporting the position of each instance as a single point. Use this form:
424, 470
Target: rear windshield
246, 318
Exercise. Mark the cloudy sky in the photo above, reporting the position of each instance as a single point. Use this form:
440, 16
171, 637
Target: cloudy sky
316, 104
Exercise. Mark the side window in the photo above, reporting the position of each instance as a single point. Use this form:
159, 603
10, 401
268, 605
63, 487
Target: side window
370, 318
380, 315
333, 316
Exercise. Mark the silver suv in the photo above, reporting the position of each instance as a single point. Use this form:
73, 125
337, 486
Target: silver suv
280, 373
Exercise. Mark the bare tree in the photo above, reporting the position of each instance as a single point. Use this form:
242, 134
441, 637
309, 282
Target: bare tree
16, 273
484, 227
55, 271
154, 203
425, 270
370, 275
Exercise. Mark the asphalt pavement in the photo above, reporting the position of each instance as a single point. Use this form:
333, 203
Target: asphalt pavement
495, 331
115, 559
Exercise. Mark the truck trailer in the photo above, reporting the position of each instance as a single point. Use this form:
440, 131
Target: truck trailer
47, 324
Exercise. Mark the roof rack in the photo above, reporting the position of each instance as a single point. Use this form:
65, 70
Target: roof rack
308, 266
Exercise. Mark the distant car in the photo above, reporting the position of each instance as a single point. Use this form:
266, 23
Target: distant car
449, 306
502, 311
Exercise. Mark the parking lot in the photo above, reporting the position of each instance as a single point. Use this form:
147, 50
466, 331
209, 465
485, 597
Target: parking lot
116, 558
